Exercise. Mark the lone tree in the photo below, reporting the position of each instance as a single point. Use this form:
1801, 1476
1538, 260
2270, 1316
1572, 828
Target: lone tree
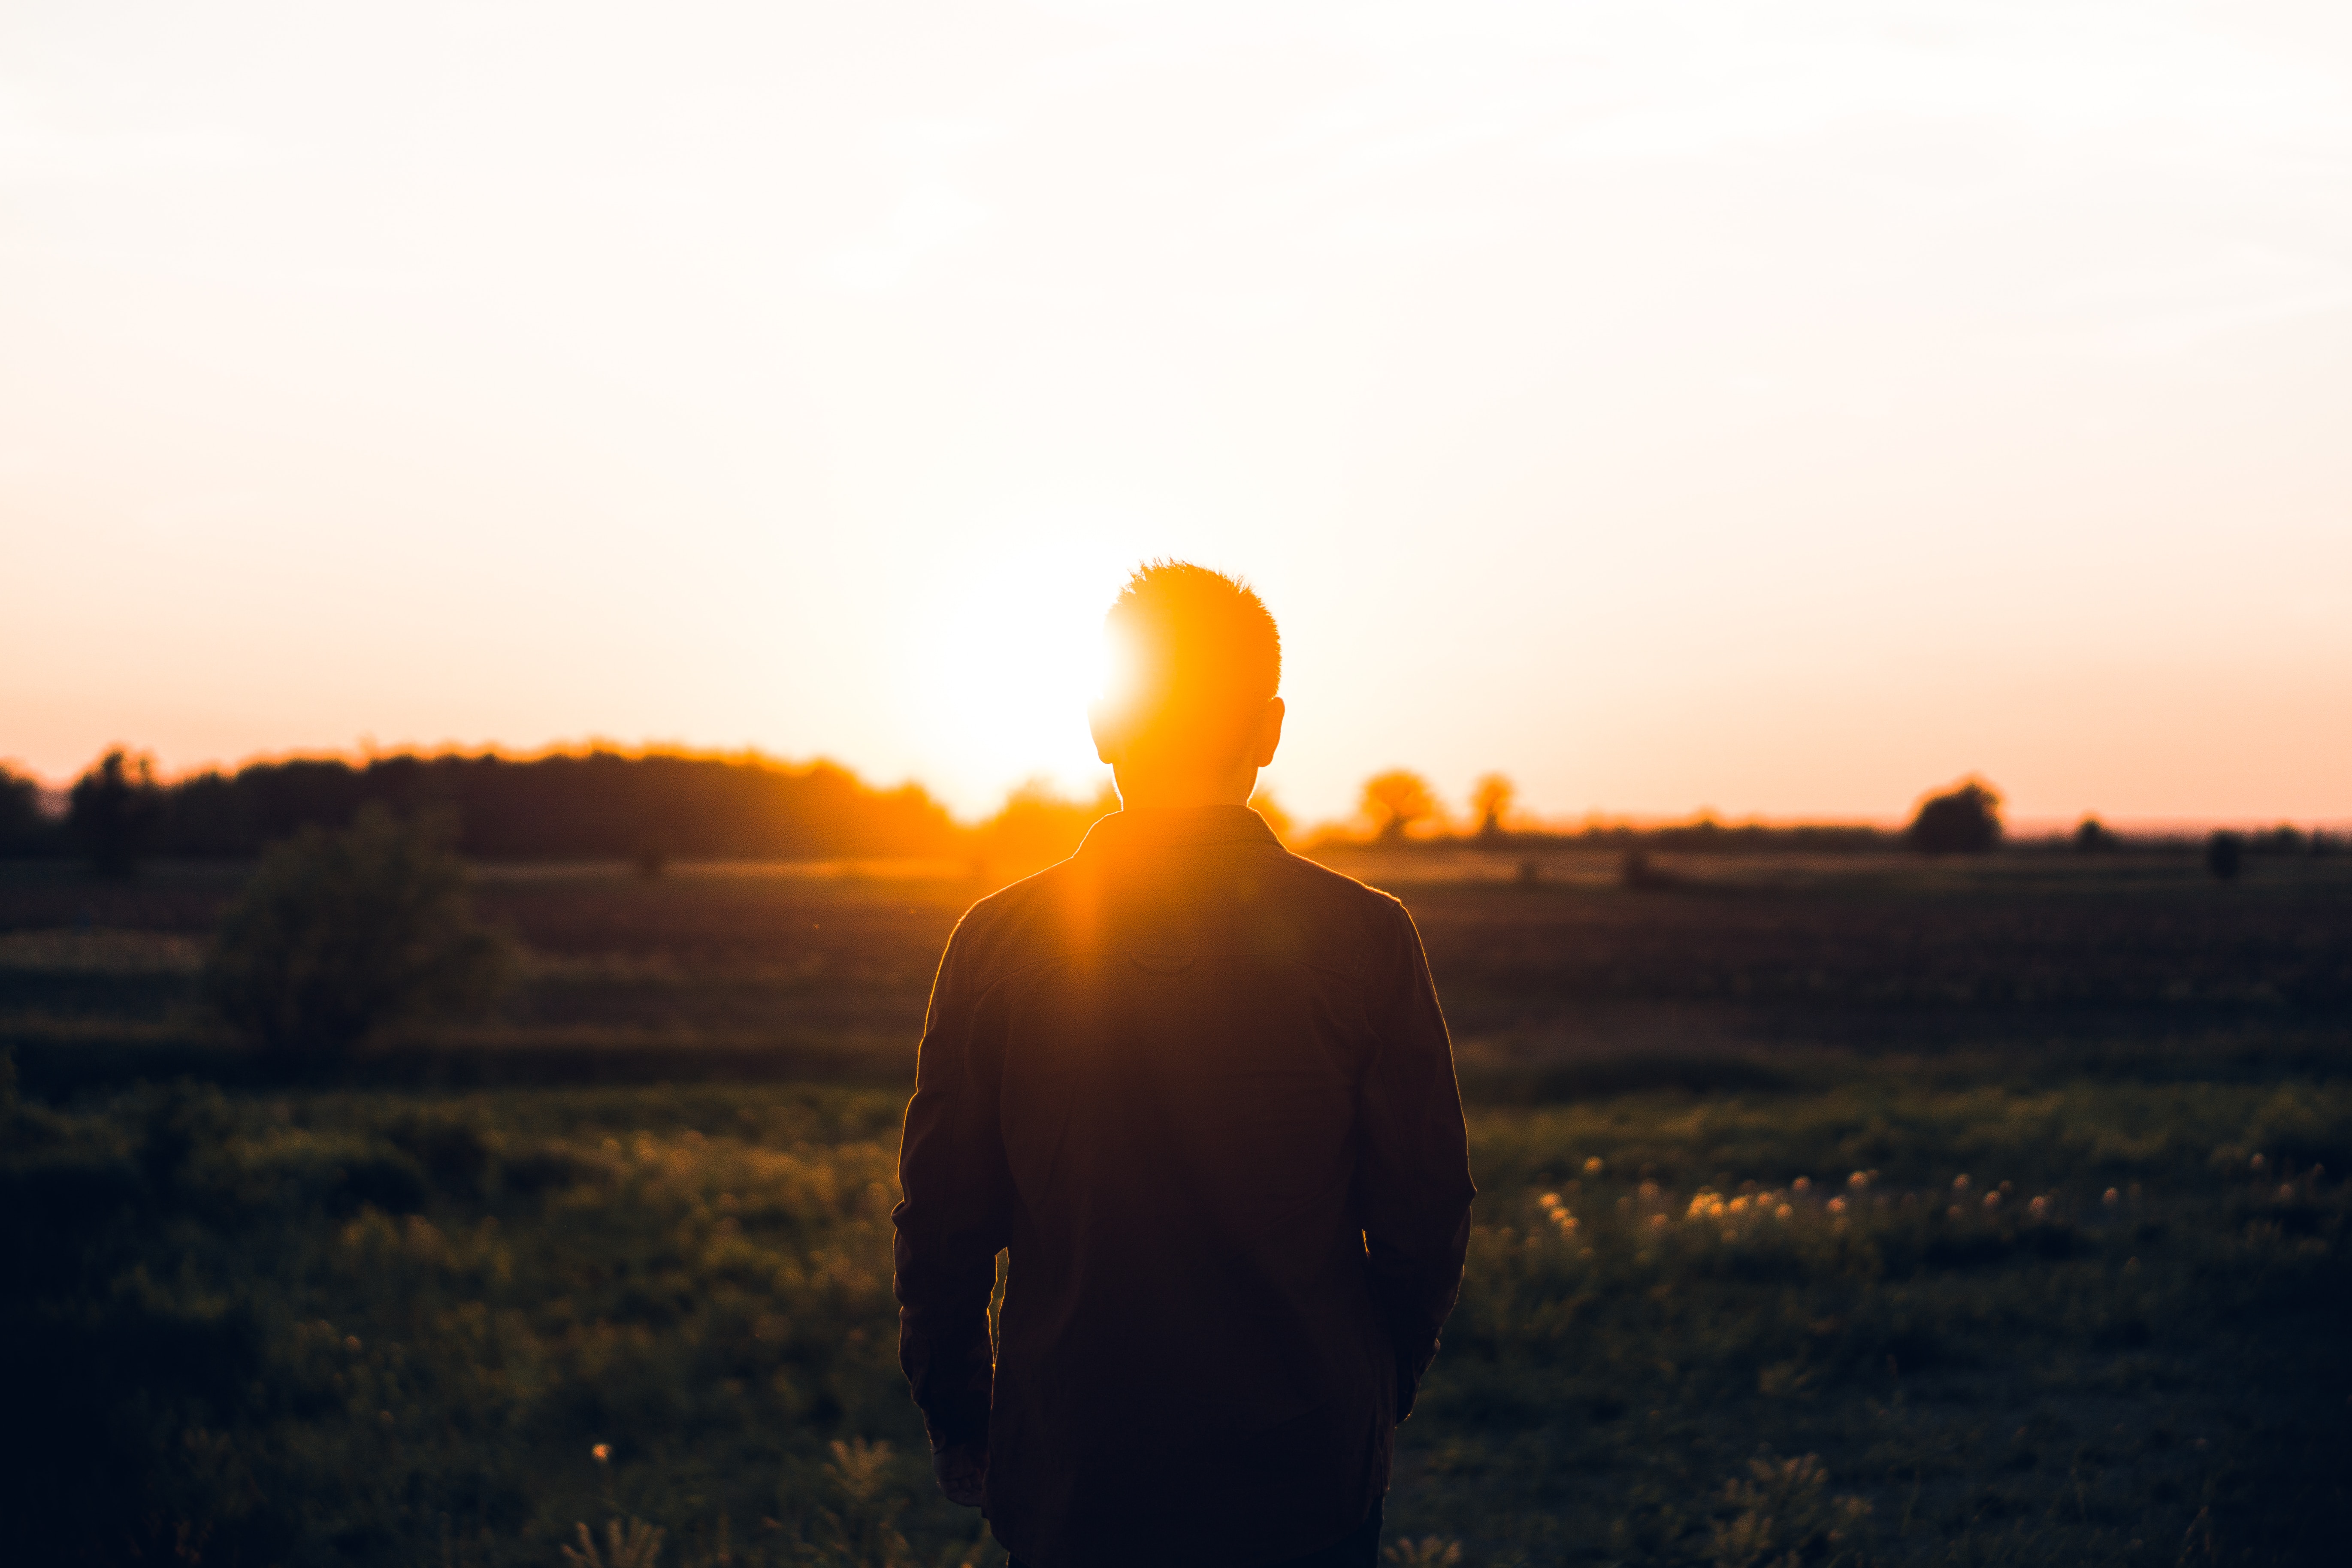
339, 935
22, 826
1963, 820
1491, 798
2092, 836
1396, 800
113, 811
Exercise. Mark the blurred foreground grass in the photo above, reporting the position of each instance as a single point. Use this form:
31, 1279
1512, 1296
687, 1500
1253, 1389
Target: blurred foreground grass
1761, 1327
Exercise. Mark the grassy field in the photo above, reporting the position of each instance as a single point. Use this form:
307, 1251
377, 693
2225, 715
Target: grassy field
1829, 1213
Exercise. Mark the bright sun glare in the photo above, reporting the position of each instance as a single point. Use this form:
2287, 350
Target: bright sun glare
1015, 664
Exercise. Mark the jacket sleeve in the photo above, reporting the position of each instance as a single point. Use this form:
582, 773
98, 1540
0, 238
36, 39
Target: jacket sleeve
1413, 1162
954, 1210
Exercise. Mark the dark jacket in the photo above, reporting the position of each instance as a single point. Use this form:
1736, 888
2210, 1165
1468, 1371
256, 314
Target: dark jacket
1200, 1089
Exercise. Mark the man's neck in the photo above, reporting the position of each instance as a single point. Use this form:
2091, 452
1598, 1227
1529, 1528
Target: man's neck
1165, 792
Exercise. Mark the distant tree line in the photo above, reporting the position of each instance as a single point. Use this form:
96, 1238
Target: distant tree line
1399, 808
654, 807
596, 806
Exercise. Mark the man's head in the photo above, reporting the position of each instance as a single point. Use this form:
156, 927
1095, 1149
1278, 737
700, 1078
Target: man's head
1192, 714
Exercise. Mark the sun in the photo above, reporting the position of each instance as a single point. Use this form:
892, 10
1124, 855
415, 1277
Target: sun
1013, 664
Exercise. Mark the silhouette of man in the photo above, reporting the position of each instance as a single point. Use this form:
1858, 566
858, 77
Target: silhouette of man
1201, 1092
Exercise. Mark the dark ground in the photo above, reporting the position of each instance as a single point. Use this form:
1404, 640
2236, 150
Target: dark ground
383, 1315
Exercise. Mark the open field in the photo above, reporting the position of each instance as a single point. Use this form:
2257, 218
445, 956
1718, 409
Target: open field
744, 970
373, 1320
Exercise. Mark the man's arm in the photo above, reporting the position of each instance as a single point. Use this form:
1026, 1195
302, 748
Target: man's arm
1413, 1162
953, 1218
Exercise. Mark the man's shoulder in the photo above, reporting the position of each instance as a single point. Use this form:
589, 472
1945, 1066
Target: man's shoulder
1340, 885
1039, 917
1000, 931
1337, 894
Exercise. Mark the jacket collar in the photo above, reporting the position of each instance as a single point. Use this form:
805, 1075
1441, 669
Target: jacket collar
1170, 825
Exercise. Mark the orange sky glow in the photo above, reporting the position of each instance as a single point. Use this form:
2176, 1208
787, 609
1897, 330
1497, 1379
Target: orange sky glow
1779, 410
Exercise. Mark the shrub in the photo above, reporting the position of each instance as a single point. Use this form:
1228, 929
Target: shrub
25, 830
113, 811
2224, 851
1963, 820
339, 935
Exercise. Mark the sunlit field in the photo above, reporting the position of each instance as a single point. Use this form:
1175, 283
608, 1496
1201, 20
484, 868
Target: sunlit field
1838, 1213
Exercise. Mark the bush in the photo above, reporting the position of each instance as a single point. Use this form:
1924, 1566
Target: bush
1963, 820
25, 830
339, 935
2224, 851
113, 811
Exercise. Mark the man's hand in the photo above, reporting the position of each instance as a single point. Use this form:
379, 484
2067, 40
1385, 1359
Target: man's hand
962, 1471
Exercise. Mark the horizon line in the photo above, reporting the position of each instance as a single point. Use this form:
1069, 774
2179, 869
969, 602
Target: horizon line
367, 751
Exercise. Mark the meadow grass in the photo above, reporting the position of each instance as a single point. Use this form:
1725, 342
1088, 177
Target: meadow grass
399, 1324
377, 1326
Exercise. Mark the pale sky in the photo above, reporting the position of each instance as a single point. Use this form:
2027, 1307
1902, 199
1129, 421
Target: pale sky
1775, 408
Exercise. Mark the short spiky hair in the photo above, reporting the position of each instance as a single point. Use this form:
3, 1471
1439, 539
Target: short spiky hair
1205, 655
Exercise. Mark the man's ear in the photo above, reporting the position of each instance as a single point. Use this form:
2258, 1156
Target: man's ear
1269, 732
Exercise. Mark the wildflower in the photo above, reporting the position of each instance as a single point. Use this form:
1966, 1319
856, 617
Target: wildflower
2259, 1162
1649, 1190
2038, 1207
1783, 1212
1593, 1166
1837, 1205
1992, 1200
1955, 1211
602, 1453
1739, 1206
1960, 1182
1548, 1202
1657, 1222
2113, 1198
2286, 1192
1858, 1180
1803, 1184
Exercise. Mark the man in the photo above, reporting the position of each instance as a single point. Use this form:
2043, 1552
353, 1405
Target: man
1201, 1091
